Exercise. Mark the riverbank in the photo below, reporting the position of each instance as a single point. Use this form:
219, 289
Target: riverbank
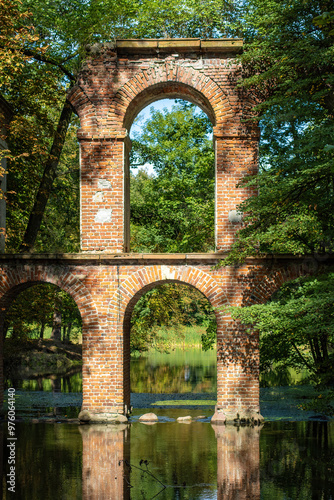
41, 357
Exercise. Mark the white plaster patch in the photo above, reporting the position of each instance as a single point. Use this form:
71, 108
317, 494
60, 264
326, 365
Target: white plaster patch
234, 216
168, 273
98, 197
103, 184
103, 215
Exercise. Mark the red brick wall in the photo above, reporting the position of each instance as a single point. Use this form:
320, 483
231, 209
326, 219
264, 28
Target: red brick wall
115, 84
106, 290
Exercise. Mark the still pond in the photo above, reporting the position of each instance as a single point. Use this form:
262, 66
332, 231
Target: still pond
168, 460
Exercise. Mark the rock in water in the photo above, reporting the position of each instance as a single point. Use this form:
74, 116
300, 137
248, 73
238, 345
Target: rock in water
148, 417
218, 418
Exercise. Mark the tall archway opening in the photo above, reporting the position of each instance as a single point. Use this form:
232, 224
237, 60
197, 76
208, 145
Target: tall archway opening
165, 325
41, 333
171, 180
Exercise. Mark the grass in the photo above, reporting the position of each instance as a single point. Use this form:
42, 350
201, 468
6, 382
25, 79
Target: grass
34, 331
182, 337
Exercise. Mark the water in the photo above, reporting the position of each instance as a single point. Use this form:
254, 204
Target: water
195, 461
168, 460
180, 371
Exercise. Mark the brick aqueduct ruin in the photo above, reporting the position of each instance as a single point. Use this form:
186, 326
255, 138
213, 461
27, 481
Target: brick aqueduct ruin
105, 280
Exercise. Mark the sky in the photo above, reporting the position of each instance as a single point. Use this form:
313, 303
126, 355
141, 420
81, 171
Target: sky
145, 113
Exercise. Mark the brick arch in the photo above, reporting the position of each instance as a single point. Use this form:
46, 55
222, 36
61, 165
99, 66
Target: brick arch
136, 285
264, 285
23, 277
139, 282
85, 109
172, 80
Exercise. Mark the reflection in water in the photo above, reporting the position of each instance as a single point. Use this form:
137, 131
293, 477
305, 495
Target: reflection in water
115, 467
238, 462
105, 449
193, 461
70, 382
180, 371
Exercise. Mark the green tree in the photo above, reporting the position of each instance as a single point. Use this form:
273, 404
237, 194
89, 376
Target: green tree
297, 326
173, 209
33, 309
288, 71
170, 305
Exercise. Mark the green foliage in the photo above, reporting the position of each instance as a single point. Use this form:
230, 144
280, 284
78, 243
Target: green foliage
181, 18
170, 305
173, 210
323, 404
32, 311
296, 327
60, 228
210, 336
288, 73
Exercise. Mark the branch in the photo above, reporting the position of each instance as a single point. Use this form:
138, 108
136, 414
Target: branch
144, 471
301, 356
49, 175
48, 60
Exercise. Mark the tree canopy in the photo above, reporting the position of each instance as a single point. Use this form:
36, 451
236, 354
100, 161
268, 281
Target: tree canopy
288, 71
172, 210
296, 326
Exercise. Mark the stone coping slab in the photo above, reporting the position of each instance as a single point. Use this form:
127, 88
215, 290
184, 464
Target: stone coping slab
172, 258
179, 45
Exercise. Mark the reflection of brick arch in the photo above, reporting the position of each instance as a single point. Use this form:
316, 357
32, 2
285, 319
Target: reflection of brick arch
263, 285
172, 80
22, 277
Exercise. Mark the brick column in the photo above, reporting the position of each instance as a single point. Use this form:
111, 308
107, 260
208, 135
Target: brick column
238, 387
235, 158
102, 194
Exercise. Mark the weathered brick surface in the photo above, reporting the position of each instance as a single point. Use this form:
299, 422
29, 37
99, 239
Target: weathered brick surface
106, 290
116, 83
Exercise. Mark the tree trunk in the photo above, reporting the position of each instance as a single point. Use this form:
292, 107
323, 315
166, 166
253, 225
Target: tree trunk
69, 328
41, 333
56, 324
49, 175
4, 327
